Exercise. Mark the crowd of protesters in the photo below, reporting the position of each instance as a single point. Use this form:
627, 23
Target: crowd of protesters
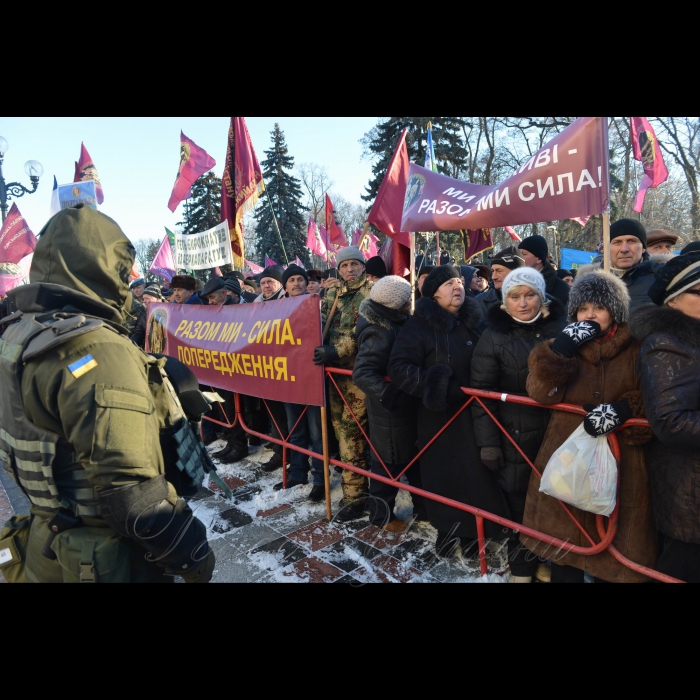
622, 344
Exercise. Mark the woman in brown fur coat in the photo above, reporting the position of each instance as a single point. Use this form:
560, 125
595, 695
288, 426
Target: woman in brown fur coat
592, 363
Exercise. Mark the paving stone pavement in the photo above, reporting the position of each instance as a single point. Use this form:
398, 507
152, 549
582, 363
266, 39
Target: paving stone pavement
267, 536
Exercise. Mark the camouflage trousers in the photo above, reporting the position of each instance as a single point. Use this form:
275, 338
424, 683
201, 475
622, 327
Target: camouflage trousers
353, 446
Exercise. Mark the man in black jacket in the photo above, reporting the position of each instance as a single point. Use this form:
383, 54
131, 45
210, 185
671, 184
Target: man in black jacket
535, 252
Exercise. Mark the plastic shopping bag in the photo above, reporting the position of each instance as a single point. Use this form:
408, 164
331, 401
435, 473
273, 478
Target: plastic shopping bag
583, 473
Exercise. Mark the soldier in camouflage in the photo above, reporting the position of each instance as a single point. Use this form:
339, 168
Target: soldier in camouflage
81, 418
340, 351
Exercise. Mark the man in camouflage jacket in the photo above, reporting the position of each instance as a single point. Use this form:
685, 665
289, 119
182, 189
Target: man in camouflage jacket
340, 350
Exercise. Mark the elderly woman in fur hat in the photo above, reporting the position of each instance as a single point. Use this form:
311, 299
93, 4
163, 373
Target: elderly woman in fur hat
669, 367
591, 363
526, 318
431, 360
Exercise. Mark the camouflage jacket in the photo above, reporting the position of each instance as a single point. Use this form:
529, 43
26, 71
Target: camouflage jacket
132, 316
342, 333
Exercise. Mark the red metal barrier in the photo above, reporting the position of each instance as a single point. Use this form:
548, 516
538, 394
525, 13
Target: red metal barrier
606, 530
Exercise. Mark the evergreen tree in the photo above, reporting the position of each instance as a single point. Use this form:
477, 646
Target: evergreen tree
203, 212
203, 208
448, 139
284, 192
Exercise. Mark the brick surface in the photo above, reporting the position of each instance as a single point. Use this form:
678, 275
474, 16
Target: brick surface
317, 536
313, 570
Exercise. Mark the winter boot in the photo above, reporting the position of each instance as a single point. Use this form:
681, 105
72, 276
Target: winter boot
350, 510
396, 527
273, 464
318, 493
223, 453
235, 455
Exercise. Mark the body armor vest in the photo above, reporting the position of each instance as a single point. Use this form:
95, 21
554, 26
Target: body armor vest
43, 464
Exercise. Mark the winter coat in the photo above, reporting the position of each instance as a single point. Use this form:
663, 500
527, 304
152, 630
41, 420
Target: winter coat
601, 372
638, 280
490, 298
500, 364
669, 369
431, 360
138, 335
194, 300
344, 322
554, 286
392, 419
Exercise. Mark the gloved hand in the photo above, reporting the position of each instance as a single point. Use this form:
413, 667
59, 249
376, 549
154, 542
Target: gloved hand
574, 336
603, 419
325, 354
204, 572
492, 457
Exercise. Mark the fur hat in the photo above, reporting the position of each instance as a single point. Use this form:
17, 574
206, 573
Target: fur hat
393, 292
184, 282
350, 253
675, 277
600, 287
629, 227
537, 245
525, 277
314, 275
292, 271
438, 277
272, 272
484, 272
376, 267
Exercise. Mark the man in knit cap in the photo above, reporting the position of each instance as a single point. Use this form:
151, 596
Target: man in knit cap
630, 261
503, 263
271, 285
340, 350
535, 251
375, 269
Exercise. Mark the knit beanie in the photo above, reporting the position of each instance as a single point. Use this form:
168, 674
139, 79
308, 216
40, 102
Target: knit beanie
154, 291
292, 271
376, 267
525, 277
629, 227
233, 285
561, 273
675, 277
510, 258
537, 245
438, 277
272, 272
600, 287
691, 248
393, 292
350, 253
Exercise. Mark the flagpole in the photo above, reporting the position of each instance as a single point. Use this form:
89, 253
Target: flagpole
413, 273
437, 251
277, 226
364, 235
606, 240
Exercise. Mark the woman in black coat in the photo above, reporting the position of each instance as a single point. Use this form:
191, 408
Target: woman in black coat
392, 419
500, 364
431, 360
669, 369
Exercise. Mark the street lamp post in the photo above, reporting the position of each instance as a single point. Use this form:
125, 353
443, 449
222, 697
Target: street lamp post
33, 168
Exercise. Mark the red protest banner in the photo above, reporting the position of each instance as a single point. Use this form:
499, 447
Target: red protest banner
264, 350
568, 177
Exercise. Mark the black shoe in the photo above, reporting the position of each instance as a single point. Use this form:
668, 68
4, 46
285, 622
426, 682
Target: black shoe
254, 441
222, 453
273, 464
290, 484
235, 455
318, 493
350, 510
209, 439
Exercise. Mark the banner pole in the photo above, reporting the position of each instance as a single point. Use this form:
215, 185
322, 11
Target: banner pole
413, 273
437, 251
606, 240
277, 226
363, 236
326, 462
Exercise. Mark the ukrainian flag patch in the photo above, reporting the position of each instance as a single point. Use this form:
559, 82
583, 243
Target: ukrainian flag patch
81, 367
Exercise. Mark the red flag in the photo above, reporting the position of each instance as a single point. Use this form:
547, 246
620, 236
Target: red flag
388, 206
513, 234
194, 162
476, 242
85, 170
241, 185
335, 232
647, 150
16, 238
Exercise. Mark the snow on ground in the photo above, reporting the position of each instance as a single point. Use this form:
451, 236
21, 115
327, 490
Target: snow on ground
268, 536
